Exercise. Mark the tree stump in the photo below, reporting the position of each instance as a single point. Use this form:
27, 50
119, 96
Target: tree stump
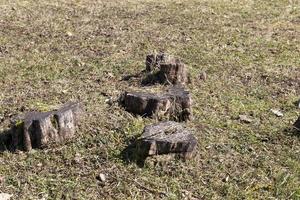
145, 104
167, 138
37, 129
181, 102
173, 73
297, 124
175, 104
153, 61
165, 69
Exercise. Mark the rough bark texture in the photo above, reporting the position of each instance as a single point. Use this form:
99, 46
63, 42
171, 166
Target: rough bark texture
145, 104
173, 73
297, 124
181, 101
37, 129
165, 69
175, 104
167, 138
153, 61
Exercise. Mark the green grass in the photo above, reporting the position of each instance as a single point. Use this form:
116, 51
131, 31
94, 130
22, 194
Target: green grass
55, 51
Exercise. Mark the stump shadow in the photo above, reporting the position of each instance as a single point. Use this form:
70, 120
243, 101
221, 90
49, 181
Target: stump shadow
6, 141
145, 78
133, 154
292, 131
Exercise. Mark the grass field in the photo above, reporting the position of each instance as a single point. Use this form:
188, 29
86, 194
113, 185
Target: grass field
55, 51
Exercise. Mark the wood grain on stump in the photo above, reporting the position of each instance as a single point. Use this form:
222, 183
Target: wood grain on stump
175, 104
181, 102
166, 69
40, 129
173, 73
167, 138
144, 104
153, 61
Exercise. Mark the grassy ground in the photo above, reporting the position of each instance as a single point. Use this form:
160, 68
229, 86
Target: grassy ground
55, 51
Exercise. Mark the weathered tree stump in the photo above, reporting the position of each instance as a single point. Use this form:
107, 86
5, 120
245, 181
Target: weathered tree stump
175, 104
173, 73
165, 69
37, 130
144, 104
167, 138
181, 102
297, 124
153, 61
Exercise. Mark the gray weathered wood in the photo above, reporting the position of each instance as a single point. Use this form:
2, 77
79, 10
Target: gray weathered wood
167, 138
37, 130
145, 104
175, 104
181, 101
153, 61
166, 70
174, 72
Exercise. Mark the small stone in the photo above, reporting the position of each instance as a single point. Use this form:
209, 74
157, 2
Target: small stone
70, 34
109, 101
101, 177
39, 165
245, 119
5, 196
277, 112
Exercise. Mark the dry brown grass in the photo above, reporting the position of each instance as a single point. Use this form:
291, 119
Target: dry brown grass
55, 51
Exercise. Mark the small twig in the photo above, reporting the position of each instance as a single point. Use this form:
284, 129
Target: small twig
149, 189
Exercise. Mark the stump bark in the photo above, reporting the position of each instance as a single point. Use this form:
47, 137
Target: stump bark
181, 102
165, 69
175, 104
37, 129
173, 73
167, 138
145, 104
153, 61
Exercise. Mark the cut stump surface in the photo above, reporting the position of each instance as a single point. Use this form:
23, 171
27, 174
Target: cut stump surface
167, 138
176, 104
40, 129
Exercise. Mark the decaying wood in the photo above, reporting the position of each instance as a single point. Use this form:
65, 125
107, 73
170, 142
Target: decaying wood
145, 104
181, 102
173, 73
175, 104
37, 130
153, 61
165, 69
167, 138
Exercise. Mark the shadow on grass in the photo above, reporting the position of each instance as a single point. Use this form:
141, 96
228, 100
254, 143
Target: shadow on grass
145, 78
292, 131
133, 153
6, 141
